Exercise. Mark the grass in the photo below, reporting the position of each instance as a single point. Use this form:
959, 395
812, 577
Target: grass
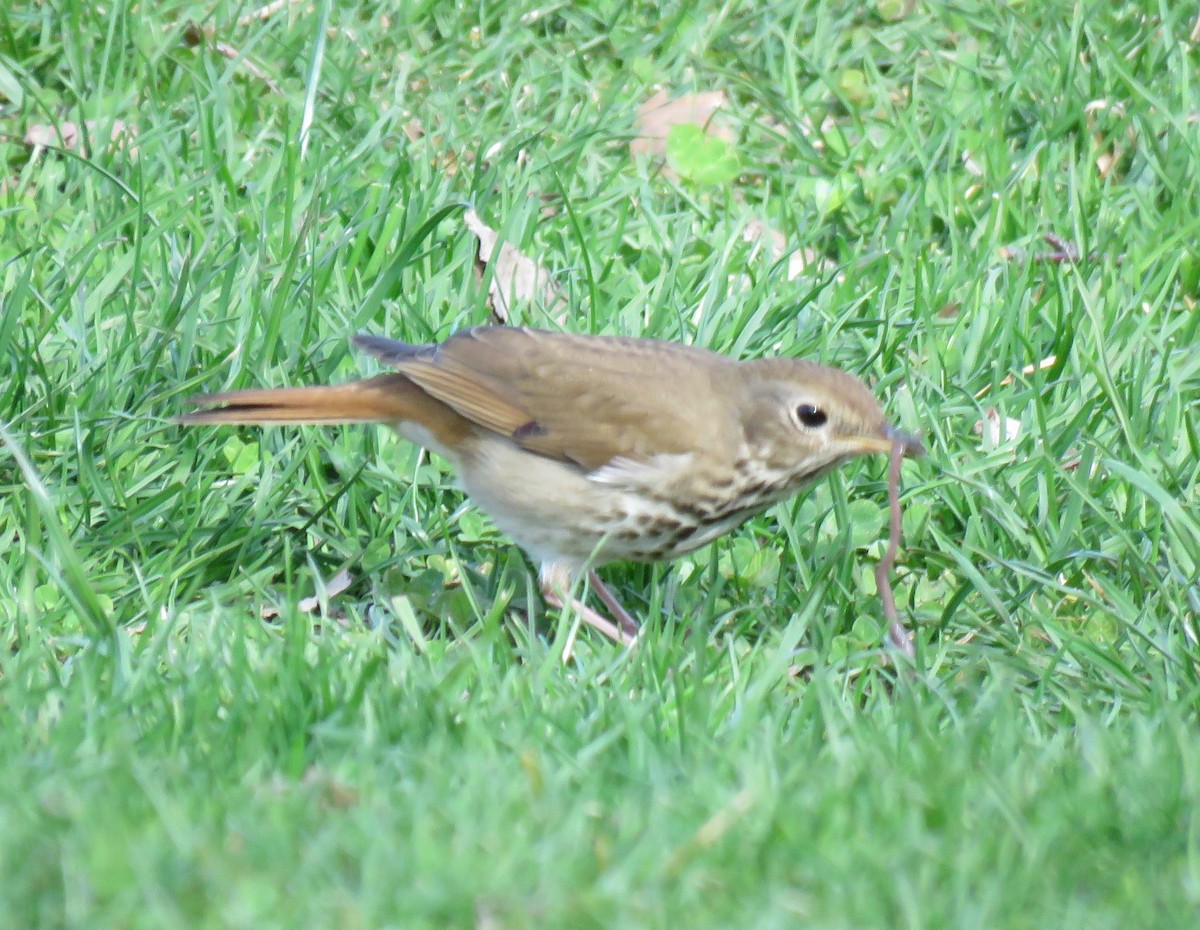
415, 754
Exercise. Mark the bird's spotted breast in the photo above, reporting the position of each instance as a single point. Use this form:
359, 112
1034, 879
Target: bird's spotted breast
652, 526
637, 510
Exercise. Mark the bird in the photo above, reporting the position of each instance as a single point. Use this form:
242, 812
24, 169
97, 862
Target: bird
587, 450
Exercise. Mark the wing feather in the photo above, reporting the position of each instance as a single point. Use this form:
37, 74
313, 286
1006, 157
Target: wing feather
580, 399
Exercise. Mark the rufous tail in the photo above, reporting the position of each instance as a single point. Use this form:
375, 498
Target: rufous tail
386, 398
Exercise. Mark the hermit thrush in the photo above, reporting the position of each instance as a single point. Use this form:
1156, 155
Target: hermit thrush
590, 449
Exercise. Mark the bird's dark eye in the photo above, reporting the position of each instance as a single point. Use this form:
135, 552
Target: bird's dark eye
811, 416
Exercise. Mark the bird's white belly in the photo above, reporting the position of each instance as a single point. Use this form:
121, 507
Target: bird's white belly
558, 513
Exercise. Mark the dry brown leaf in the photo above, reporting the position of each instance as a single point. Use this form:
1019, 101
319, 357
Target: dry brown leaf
333, 587
224, 48
1047, 362
659, 114
515, 276
1106, 161
893, 10
996, 429
775, 244
69, 137
195, 36
1110, 153
334, 792
262, 14
413, 130
1102, 103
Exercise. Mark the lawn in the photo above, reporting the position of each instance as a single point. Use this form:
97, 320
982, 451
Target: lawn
201, 726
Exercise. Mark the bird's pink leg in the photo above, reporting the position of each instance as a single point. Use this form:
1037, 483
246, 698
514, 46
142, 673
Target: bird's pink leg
624, 619
555, 581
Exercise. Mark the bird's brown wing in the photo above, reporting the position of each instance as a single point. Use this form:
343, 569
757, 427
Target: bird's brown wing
583, 399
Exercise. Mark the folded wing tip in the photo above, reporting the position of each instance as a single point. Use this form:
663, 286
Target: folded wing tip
385, 349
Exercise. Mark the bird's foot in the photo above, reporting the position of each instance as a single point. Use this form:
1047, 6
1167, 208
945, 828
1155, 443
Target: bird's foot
556, 591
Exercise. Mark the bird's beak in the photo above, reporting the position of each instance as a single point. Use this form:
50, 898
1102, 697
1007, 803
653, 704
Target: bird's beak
887, 437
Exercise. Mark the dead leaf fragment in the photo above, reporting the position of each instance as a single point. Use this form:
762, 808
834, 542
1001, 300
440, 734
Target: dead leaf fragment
262, 14
775, 244
1109, 152
515, 276
333, 791
656, 117
68, 135
228, 51
1101, 104
996, 429
1048, 362
195, 36
333, 587
1106, 161
893, 10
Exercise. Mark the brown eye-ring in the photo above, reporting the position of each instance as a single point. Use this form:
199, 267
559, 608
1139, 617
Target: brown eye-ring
811, 416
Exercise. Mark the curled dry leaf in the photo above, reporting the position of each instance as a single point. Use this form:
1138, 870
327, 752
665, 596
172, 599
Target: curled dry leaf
333, 587
1048, 362
775, 244
1102, 103
656, 117
413, 130
996, 429
68, 135
893, 10
262, 14
228, 51
1106, 161
334, 791
195, 36
1109, 153
515, 276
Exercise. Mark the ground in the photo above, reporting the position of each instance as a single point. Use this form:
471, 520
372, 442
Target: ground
186, 742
